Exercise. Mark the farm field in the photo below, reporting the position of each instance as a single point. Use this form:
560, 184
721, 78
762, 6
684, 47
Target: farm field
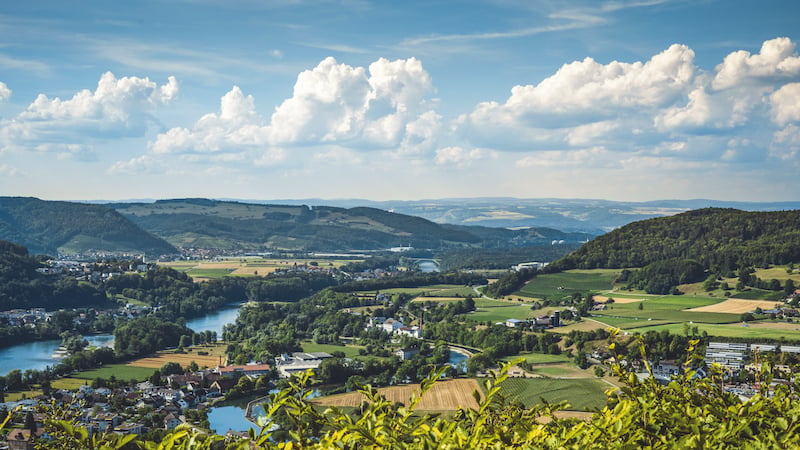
435, 290
539, 358
245, 267
752, 330
583, 325
668, 308
737, 306
479, 301
502, 313
581, 394
184, 359
448, 395
350, 351
118, 371
557, 285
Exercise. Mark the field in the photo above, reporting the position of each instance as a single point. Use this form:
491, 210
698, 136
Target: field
557, 285
581, 394
435, 290
204, 270
184, 359
349, 351
480, 302
752, 330
539, 358
446, 395
669, 308
502, 313
736, 306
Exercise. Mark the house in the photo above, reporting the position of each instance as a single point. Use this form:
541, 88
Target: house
390, 325
221, 386
299, 362
515, 323
250, 370
414, 331
406, 353
20, 439
171, 421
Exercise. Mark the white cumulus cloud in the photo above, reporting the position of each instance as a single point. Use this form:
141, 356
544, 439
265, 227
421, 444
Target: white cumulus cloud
786, 104
777, 61
118, 107
384, 106
460, 157
5, 92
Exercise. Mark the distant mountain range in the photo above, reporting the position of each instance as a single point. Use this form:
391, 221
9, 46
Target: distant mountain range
594, 217
158, 227
230, 225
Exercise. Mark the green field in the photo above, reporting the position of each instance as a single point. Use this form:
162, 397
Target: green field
581, 394
118, 371
731, 330
208, 273
557, 285
539, 358
349, 351
501, 313
669, 308
758, 294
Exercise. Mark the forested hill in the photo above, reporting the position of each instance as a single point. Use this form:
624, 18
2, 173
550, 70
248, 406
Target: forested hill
718, 239
52, 227
21, 286
243, 226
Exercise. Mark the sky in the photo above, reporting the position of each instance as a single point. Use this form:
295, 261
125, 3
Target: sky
400, 100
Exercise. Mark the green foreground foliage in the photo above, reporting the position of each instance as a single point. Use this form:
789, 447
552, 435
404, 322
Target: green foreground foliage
686, 413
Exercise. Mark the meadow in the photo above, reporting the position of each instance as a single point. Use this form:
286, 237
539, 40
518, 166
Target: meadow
582, 394
564, 284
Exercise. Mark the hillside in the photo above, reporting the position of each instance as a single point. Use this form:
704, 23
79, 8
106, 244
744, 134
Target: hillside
51, 227
720, 240
243, 226
21, 286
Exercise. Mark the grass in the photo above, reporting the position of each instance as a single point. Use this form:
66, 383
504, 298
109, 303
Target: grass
758, 294
731, 330
581, 394
557, 285
208, 273
539, 358
118, 371
501, 313
349, 351
670, 308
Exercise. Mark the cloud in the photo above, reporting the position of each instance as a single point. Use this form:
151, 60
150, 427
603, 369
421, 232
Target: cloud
118, 107
382, 107
786, 104
586, 91
785, 145
459, 157
8, 171
5, 92
776, 62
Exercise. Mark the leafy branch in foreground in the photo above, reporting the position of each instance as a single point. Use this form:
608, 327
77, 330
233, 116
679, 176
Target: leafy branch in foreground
688, 412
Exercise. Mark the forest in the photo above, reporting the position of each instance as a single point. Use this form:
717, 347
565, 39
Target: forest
720, 240
46, 226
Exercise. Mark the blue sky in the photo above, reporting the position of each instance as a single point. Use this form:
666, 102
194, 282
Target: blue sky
621, 100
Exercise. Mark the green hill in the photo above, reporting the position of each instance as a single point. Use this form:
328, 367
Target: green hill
243, 226
720, 240
51, 227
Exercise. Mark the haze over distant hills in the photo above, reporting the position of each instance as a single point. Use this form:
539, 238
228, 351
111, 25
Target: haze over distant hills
250, 226
594, 217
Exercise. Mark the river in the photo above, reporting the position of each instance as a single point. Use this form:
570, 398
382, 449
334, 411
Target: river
40, 354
